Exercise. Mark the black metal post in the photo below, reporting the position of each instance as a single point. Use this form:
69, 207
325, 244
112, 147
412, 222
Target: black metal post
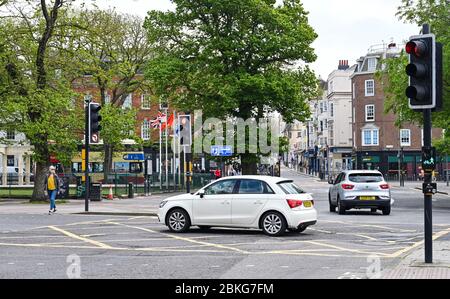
428, 204
187, 173
86, 159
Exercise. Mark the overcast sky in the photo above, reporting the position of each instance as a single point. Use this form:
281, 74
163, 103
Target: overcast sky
346, 28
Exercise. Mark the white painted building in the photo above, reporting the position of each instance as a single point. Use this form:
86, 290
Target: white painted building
340, 138
15, 159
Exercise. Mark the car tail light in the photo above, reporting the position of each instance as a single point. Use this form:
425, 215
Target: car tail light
384, 186
348, 186
294, 203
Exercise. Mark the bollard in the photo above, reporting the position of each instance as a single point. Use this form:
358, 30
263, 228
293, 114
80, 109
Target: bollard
130, 190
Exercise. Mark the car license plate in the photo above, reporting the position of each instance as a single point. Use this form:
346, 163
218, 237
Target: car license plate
367, 198
307, 204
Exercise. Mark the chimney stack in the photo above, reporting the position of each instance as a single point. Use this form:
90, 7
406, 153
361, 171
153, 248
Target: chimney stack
343, 65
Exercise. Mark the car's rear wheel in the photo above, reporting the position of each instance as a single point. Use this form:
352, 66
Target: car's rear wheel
387, 211
273, 224
332, 206
178, 221
341, 209
373, 210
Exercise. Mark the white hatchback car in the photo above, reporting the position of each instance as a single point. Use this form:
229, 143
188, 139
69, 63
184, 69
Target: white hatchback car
272, 204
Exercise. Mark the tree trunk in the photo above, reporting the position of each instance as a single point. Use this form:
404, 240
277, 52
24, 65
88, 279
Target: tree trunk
107, 161
249, 166
39, 182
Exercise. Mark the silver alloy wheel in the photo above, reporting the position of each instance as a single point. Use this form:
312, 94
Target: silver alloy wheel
272, 224
177, 221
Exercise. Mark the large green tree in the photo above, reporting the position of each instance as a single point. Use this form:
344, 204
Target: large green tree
36, 81
113, 49
236, 58
437, 14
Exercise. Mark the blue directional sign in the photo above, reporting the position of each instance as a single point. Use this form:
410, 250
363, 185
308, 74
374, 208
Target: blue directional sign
134, 157
221, 151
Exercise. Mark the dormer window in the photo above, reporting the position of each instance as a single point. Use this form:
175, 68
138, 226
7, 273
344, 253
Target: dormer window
371, 64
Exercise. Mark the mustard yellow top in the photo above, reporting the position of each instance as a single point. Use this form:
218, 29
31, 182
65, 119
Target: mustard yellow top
51, 183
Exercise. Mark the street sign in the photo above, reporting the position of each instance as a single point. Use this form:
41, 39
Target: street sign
134, 157
428, 158
221, 151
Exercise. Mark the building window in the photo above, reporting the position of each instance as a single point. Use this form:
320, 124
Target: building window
10, 161
370, 88
145, 102
370, 112
371, 64
354, 91
330, 87
299, 134
128, 103
11, 135
145, 129
332, 109
405, 137
321, 107
325, 106
321, 126
370, 137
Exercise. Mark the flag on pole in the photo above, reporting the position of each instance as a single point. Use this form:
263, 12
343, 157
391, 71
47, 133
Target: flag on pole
169, 122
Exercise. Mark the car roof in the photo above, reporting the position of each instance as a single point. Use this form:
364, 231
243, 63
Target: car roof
266, 178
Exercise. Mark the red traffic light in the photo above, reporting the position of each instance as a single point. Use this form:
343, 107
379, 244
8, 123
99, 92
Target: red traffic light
416, 48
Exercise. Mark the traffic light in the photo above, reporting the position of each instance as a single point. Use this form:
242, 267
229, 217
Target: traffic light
424, 73
185, 130
94, 122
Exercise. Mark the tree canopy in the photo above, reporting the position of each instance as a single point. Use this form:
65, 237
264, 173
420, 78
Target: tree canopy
237, 58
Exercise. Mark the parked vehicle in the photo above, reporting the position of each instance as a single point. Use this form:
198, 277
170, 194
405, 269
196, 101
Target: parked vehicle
272, 204
360, 189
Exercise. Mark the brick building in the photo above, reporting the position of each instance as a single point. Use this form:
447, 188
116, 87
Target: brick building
377, 142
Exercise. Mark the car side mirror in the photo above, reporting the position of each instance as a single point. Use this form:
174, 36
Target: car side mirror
201, 193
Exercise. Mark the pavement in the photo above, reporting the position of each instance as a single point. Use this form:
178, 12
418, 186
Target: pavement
126, 242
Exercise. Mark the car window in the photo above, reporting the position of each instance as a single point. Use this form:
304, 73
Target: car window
365, 177
339, 178
222, 187
290, 187
251, 187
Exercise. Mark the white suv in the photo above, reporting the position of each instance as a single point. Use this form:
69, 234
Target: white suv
269, 203
360, 189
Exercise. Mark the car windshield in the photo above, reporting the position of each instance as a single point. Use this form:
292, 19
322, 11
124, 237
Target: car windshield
290, 187
365, 177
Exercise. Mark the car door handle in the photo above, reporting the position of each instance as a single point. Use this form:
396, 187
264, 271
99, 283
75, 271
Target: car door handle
258, 202
226, 202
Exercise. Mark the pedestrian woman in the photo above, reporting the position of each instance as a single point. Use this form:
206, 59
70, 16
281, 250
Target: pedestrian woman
52, 187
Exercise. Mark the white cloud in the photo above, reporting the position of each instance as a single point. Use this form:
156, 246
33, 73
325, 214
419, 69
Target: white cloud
346, 28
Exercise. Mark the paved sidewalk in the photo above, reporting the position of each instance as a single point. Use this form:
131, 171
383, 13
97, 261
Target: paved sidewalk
136, 206
441, 186
413, 266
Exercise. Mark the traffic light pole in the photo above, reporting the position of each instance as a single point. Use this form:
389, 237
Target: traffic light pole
428, 197
86, 159
428, 203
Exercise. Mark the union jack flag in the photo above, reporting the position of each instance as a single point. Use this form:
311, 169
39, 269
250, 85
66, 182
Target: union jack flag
161, 118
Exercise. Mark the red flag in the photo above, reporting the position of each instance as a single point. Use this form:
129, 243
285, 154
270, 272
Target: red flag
168, 123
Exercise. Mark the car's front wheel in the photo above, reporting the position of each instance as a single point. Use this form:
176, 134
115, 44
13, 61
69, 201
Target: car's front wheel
387, 211
178, 221
273, 224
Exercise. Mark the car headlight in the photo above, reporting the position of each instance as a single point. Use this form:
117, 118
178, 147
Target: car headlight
162, 204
